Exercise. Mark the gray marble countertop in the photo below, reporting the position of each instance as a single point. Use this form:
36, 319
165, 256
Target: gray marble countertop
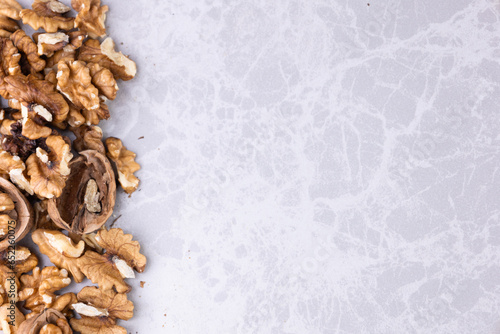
312, 166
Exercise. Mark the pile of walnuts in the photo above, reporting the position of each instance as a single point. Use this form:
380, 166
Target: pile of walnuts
62, 191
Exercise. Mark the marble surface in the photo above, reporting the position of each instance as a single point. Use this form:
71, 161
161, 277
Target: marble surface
313, 166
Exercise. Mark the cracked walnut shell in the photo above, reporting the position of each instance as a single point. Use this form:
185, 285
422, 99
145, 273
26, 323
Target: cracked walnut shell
75, 82
122, 256
22, 212
88, 199
105, 55
125, 164
40, 323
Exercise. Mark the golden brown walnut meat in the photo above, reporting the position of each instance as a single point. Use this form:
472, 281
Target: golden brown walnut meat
91, 17
88, 199
16, 169
36, 322
6, 203
10, 318
47, 23
93, 117
6, 223
105, 55
125, 164
104, 80
25, 44
61, 250
63, 304
22, 213
7, 26
96, 325
33, 130
101, 307
88, 138
51, 42
10, 8
48, 171
9, 63
121, 258
33, 91
14, 263
38, 289
49, 8
75, 82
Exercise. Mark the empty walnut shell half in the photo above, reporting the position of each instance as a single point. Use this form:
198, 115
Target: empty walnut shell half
88, 198
23, 213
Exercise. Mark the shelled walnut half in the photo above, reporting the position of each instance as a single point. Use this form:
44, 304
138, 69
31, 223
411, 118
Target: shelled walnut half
88, 199
22, 213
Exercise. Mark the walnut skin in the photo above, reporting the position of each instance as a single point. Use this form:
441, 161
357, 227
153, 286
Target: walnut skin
37, 322
22, 212
61, 250
39, 92
75, 82
91, 17
23, 262
7, 26
121, 258
25, 44
104, 54
125, 164
76, 210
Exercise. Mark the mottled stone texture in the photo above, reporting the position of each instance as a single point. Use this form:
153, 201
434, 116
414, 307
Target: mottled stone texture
313, 166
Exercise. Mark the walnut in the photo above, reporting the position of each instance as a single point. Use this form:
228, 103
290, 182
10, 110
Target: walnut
39, 289
10, 8
51, 42
49, 8
33, 91
9, 63
16, 169
88, 138
6, 203
47, 23
101, 307
48, 171
88, 199
93, 117
63, 304
6, 222
7, 26
75, 118
75, 82
18, 145
25, 44
10, 318
33, 130
104, 80
125, 164
61, 250
61, 55
91, 17
122, 256
13, 263
42, 218
22, 213
48, 321
104, 54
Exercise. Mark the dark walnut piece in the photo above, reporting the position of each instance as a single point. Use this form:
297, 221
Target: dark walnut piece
88, 199
22, 213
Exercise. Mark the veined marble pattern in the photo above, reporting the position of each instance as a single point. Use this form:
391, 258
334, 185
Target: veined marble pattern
313, 166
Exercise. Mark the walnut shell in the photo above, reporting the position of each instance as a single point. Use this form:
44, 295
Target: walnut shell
88, 199
23, 212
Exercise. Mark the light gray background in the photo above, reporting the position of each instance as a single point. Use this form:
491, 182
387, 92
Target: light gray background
313, 166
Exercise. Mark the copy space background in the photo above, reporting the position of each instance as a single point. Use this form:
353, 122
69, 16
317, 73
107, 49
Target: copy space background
312, 166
